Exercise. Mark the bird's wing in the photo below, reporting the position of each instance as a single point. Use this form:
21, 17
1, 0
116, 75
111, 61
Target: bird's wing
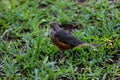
67, 38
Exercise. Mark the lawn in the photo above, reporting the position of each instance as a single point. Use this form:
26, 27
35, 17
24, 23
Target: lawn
26, 50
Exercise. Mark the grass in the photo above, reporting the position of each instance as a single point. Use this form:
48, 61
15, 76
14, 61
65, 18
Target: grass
26, 51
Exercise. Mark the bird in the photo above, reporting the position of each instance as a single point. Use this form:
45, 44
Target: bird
63, 39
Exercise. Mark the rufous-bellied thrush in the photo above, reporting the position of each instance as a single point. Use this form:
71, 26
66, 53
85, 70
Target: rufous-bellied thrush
64, 40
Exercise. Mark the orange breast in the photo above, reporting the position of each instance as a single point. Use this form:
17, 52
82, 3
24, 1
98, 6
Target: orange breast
62, 46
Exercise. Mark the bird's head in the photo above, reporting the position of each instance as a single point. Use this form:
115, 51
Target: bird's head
55, 26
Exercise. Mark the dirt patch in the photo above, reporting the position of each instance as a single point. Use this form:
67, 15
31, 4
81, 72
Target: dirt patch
70, 27
44, 5
81, 1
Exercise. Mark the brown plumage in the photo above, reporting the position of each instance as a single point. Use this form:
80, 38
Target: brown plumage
64, 40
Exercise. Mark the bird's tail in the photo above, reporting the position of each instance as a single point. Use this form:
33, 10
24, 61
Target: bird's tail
87, 44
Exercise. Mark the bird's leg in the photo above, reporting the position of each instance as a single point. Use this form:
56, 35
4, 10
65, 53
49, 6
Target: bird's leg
61, 54
62, 58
